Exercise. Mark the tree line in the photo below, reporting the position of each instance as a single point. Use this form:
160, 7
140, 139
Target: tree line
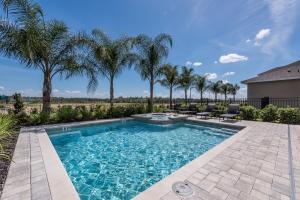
48, 46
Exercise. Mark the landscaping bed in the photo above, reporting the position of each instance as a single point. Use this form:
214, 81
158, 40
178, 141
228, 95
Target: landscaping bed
5, 163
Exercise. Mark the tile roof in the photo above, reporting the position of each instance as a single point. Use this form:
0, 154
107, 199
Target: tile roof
287, 72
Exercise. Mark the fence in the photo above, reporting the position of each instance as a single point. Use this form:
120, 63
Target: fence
256, 102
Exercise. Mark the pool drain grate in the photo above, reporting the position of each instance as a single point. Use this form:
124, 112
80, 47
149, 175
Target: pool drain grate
182, 189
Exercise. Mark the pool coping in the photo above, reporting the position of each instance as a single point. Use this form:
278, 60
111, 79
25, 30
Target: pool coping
56, 172
58, 182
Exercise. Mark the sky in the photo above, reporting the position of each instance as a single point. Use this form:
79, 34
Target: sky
224, 40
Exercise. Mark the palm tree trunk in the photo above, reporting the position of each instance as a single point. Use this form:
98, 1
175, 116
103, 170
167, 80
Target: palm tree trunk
47, 88
185, 96
201, 96
234, 97
171, 91
225, 94
151, 93
111, 92
216, 96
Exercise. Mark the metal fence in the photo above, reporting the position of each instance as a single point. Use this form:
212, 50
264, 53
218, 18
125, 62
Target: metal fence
256, 102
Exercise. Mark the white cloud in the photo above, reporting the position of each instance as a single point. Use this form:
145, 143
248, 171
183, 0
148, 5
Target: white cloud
228, 74
284, 14
225, 81
211, 76
188, 63
197, 64
55, 90
232, 58
72, 91
2, 88
248, 40
263, 33
216, 62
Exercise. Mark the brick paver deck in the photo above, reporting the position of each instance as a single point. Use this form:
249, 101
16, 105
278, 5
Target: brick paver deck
254, 166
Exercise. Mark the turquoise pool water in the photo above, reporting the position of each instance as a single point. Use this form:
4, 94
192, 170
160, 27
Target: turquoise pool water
121, 159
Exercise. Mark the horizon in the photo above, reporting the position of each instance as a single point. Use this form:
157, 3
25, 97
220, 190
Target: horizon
242, 40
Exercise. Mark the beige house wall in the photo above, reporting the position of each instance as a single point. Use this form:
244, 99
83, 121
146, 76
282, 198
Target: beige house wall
275, 89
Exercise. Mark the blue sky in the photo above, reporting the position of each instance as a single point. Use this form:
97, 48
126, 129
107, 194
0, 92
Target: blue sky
227, 40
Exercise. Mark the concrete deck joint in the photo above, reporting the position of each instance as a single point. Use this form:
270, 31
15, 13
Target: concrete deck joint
291, 168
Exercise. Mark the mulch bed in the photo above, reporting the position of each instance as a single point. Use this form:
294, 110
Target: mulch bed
4, 163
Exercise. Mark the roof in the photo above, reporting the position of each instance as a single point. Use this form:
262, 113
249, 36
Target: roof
287, 72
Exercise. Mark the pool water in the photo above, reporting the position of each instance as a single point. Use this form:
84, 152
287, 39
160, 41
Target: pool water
121, 159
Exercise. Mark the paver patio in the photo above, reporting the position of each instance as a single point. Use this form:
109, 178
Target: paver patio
253, 164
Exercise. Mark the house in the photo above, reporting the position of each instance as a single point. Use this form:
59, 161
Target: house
279, 82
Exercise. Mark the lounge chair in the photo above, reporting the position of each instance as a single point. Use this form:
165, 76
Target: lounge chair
208, 111
192, 109
175, 109
232, 112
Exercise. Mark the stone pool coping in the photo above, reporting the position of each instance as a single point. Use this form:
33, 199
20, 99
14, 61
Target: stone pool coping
38, 173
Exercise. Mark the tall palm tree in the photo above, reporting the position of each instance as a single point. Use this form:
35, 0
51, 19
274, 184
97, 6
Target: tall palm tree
215, 88
225, 89
151, 53
169, 80
109, 57
39, 44
185, 80
200, 84
234, 89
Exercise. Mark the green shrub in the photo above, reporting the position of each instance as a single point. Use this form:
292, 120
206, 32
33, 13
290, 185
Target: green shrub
18, 105
289, 115
7, 124
248, 112
100, 112
82, 113
157, 109
116, 112
221, 107
65, 114
269, 113
22, 118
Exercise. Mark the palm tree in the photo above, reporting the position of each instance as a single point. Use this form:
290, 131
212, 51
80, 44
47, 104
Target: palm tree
216, 88
200, 84
234, 89
170, 75
109, 57
185, 80
151, 53
39, 44
225, 89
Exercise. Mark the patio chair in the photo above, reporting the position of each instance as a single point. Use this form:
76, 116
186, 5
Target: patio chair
191, 110
208, 111
232, 112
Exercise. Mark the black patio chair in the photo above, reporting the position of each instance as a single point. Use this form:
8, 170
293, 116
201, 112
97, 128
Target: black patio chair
208, 111
232, 112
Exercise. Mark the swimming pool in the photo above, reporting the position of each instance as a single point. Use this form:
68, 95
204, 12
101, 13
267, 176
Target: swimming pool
118, 160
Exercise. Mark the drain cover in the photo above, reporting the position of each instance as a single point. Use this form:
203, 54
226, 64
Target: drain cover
182, 189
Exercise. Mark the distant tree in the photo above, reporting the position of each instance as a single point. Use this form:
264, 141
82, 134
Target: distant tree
215, 88
234, 89
200, 84
170, 78
186, 80
18, 105
109, 57
151, 53
39, 44
225, 89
